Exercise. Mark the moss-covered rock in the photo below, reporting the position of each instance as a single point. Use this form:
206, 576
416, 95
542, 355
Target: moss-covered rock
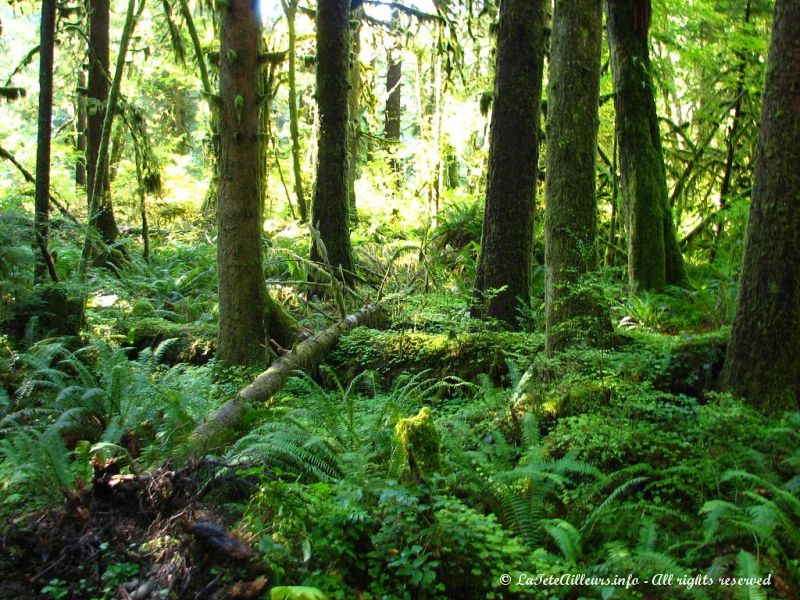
419, 441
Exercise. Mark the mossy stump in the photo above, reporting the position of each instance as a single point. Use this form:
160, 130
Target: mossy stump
419, 441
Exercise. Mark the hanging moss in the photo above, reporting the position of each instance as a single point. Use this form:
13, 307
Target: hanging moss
419, 441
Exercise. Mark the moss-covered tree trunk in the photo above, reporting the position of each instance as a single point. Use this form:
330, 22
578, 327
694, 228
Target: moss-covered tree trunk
242, 291
394, 91
102, 215
763, 360
654, 257
80, 129
45, 127
573, 311
507, 241
330, 212
290, 9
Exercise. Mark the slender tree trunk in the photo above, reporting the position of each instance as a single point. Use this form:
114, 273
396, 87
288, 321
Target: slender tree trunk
45, 126
610, 258
503, 282
574, 312
730, 150
80, 129
242, 289
290, 9
354, 110
101, 215
654, 257
330, 212
394, 101
763, 360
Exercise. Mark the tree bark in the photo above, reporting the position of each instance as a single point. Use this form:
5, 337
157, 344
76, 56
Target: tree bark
45, 127
306, 355
654, 257
101, 216
763, 359
574, 311
354, 113
242, 290
503, 283
330, 212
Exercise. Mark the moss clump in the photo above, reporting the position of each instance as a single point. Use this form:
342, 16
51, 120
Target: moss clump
419, 441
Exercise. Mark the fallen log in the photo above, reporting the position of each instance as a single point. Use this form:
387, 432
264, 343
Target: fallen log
305, 355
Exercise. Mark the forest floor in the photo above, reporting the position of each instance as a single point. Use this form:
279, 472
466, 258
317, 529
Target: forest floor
621, 462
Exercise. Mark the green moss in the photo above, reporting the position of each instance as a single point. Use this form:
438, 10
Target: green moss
419, 441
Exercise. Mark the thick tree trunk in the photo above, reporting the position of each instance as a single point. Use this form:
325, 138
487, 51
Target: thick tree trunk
102, 215
45, 127
654, 257
763, 360
574, 312
290, 9
330, 212
354, 112
507, 241
306, 355
242, 290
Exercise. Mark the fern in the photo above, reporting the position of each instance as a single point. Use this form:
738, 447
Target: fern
287, 445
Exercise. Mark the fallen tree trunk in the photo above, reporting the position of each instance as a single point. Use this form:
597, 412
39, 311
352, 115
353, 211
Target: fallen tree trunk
306, 355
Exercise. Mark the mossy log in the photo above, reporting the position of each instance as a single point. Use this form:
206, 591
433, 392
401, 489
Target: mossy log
464, 355
305, 355
196, 342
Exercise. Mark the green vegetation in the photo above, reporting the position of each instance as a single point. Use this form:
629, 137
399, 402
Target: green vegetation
439, 387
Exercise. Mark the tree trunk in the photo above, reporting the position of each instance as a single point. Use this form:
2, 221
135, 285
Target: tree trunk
80, 129
45, 126
242, 290
290, 9
330, 212
763, 360
101, 216
574, 312
654, 257
507, 241
394, 75
354, 110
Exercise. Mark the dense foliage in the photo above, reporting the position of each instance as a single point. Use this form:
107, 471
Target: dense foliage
430, 454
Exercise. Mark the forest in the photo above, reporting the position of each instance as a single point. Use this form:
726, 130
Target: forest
400, 299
